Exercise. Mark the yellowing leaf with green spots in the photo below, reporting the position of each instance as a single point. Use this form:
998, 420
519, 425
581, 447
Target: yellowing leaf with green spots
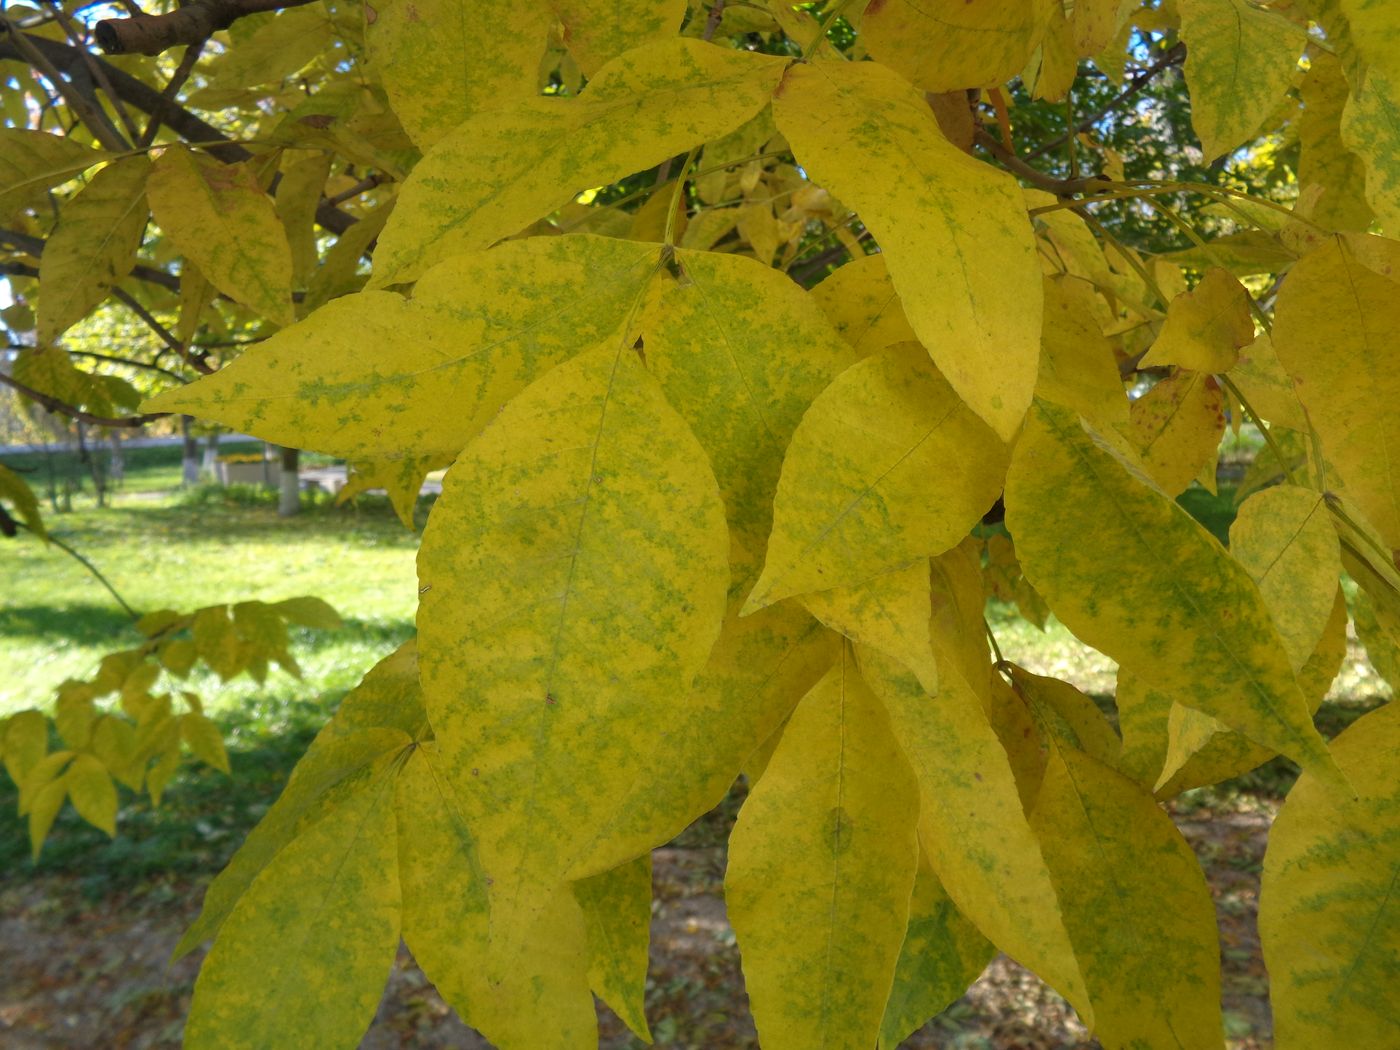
1068, 715
310, 943
889, 612
1187, 613
94, 246
971, 823
942, 955
218, 215
1077, 368
1205, 327
597, 31
1329, 918
887, 465
1323, 159
741, 351
953, 231
1240, 60
821, 868
407, 383
1176, 428
1371, 119
1335, 326
441, 62
543, 652
944, 45
860, 301
1136, 905
617, 909
502, 170
32, 162
1268, 388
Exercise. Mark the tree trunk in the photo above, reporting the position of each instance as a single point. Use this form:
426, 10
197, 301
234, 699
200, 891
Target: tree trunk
189, 462
210, 466
289, 497
116, 459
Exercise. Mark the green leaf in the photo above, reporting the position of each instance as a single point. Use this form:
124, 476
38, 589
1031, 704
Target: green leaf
971, 823
1240, 60
953, 230
32, 162
309, 945
219, 216
617, 908
375, 377
1136, 905
821, 868
94, 246
1328, 915
502, 170
1334, 322
942, 955
887, 465
1154, 591
544, 654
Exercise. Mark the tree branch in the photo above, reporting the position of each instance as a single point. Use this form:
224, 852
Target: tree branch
35, 246
1060, 187
192, 24
53, 404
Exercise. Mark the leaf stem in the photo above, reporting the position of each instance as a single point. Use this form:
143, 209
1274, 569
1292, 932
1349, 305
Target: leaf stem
90, 568
670, 238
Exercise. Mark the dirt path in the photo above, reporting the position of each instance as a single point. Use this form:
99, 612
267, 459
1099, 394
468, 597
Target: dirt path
80, 974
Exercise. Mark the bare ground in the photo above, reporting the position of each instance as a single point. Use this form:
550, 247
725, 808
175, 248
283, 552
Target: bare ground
77, 973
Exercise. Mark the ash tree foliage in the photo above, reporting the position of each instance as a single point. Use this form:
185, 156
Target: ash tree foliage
761, 343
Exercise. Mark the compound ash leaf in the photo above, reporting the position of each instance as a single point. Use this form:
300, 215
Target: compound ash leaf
945, 45
1143, 930
1334, 330
953, 231
406, 383
1240, 61
218, 216
501, 170
821, 867
1329, 914
617, 910
573, 580
1207, 641
887, 465
971, 823
94, 246
311, 942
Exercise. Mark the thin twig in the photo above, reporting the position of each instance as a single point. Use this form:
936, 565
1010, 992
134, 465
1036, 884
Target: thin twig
53, 404
171, 89
1062, 187
83, 107
97, 573
96, 70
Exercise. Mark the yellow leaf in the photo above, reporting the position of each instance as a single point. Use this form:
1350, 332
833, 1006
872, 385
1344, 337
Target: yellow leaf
544, 655
821, 868
1323, 159
43, 808
1327, 916
887, 465
617, 909
860, 301
298, 193
971, 824
15, 491
1205, 327
1240, 61
741, 351
1265, 384
1143, 929
204, 740
440, 63
1371, 120
32, 162
1077, 368
519, 976
1207, 640
943, 45
1334, 330
1096, 23
24, 741
953, 230
93, 793
1176, 428
218, 216
957, 601
504, 169
597, 31
94, 246
377, 378
942, 955
1070, 715
339, 274
889, 612
313, 938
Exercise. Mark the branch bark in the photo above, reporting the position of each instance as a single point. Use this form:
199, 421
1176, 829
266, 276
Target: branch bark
53, 404
192, 24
